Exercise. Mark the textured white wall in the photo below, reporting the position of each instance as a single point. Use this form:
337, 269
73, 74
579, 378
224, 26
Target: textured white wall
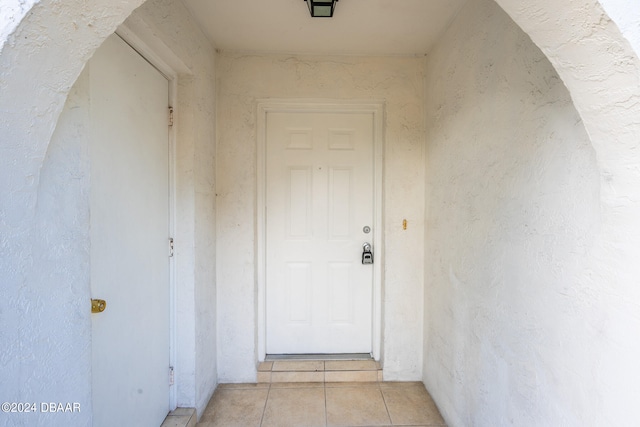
602, 72
62, 226
241, 80
519, 323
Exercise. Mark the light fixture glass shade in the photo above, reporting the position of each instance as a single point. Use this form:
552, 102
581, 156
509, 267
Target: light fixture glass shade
324, 11
321, 8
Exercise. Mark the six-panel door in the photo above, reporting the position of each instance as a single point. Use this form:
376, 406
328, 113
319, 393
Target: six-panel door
319, 213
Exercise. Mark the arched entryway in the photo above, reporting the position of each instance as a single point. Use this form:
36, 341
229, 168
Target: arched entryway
42, 57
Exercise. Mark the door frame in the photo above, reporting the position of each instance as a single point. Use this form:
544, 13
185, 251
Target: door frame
374, 107
163, 61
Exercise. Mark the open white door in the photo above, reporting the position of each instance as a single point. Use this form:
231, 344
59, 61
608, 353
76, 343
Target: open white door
319, 214
129, 237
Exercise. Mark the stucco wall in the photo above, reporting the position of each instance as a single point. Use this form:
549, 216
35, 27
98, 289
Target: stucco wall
516, 330
242, 79
62, 225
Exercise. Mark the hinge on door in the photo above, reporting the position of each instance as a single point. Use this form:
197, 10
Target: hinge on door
171, 375
170, 246
170, 116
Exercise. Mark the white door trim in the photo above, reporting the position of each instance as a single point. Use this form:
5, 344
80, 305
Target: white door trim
163, 60
374, 107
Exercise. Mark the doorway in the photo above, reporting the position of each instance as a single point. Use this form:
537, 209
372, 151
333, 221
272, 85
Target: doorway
321, 195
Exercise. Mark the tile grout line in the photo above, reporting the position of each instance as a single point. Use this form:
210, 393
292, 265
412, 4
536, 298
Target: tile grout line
386, 407
324, 384
326, 415
264, 408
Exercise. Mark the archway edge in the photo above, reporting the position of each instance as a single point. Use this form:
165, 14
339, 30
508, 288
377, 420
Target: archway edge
601, 70
595, 61
591, 55
40, 61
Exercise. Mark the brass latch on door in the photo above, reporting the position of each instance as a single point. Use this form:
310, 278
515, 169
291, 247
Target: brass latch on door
98, 305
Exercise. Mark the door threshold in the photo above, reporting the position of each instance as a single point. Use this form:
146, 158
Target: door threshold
339, 356
320, 368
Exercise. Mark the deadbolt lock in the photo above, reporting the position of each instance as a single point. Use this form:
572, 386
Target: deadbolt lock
98, 305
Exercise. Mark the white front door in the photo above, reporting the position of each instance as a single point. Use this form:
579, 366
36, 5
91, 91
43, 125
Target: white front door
129, 237
319, 213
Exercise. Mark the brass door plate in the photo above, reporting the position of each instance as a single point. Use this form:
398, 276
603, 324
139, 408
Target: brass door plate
98, 305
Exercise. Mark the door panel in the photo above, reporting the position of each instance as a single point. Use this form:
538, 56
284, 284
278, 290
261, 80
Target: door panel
129, 237
319, 197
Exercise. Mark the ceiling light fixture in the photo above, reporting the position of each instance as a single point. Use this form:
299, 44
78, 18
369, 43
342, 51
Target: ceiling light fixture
321, 8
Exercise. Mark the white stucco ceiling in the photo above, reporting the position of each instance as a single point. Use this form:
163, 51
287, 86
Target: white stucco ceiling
357, 27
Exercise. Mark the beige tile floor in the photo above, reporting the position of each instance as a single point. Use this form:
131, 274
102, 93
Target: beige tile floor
321, 404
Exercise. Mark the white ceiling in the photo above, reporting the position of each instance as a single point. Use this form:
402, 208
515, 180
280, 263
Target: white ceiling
371, 27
